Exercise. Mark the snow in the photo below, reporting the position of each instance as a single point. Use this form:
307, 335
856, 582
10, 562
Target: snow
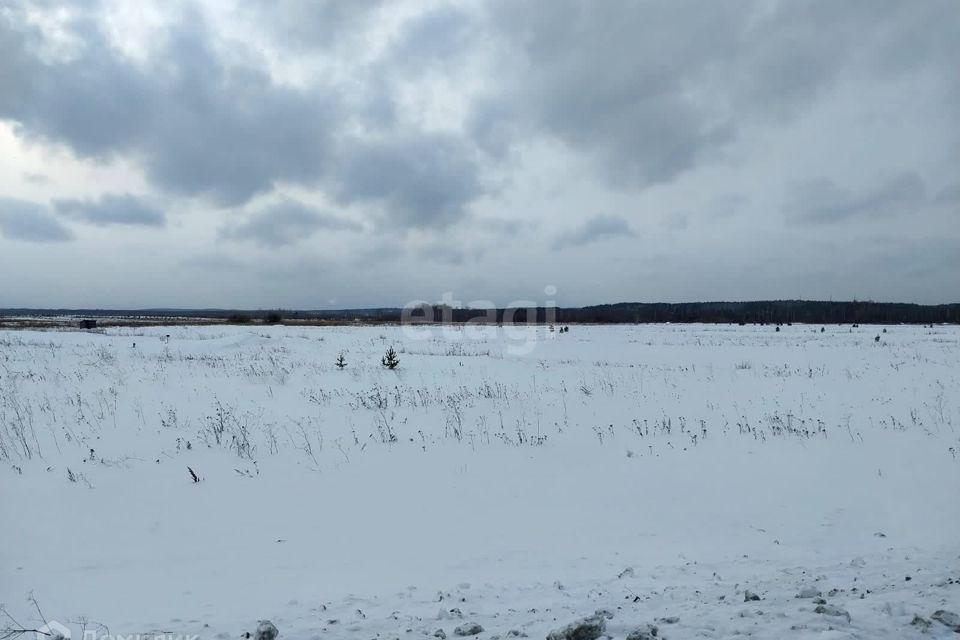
519, 479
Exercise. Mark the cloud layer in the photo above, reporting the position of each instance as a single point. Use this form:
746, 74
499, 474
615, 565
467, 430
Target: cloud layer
112, 209
593, 230
484, 137
285, 223
30, 222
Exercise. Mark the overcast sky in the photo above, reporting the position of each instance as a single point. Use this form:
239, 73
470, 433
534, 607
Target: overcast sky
318, 153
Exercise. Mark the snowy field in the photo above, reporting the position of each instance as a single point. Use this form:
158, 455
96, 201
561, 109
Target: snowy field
517, 481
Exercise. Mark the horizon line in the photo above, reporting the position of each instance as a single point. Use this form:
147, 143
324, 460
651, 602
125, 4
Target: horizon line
441, 305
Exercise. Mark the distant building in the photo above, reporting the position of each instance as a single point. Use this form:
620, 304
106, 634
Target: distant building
88, 324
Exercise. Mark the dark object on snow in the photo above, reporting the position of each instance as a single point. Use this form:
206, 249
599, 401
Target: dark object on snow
750, 595
948, 618
469, 629
193, 475
88, 324
920, 621
589, 628
265, 631
877, 339
646, 632
832, 610
341, 362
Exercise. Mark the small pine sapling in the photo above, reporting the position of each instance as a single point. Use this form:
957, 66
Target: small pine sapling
390, 359
341, 362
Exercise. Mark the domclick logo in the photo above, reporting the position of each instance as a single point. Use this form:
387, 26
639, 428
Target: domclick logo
53, 630
162, 635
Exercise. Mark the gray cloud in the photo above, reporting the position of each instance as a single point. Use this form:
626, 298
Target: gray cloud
611, 95
455, 125
285, 224
652, 89
310, 24
112, 209
206, 127
821, 200
420, 181
598, 228
379, 252
949, 195
728, 205
931, 257
438, 36
501, 226
31, 222
794, 52
94, 103
449, 253
36, 178
276, 267
200, 126
214, 262
676, 221
646, 90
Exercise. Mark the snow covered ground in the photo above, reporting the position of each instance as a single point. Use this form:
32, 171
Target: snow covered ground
517, 480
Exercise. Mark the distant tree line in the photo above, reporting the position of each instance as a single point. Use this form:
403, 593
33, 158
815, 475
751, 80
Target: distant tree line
761, 312
766, 312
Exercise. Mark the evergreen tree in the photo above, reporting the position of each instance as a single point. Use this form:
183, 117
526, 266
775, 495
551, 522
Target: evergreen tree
390, 360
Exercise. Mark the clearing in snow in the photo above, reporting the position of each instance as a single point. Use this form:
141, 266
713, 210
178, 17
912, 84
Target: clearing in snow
700, 481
